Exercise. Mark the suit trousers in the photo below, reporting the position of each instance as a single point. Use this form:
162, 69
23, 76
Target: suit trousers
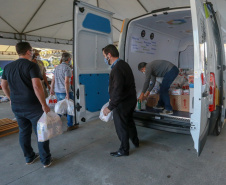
124, 123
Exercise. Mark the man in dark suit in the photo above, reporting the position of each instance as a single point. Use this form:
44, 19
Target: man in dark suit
122, 100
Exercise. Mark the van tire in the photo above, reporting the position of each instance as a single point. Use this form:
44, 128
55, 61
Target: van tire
218, 127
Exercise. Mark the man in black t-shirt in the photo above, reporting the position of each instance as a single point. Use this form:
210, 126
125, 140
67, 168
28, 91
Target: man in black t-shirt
21, 83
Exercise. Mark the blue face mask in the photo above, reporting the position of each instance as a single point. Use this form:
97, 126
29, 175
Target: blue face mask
106, 61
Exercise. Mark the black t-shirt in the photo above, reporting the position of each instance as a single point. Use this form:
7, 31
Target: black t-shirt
19, 74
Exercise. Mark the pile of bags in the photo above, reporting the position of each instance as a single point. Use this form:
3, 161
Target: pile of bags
180, 85
50, 124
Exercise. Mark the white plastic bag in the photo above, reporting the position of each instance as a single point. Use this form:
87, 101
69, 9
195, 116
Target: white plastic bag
70, 107
49, 126
51, 101
107, 118
61, 107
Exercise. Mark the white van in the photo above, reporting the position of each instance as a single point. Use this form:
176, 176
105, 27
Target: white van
189, 37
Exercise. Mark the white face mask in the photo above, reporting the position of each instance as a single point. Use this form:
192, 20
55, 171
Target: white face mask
38, 58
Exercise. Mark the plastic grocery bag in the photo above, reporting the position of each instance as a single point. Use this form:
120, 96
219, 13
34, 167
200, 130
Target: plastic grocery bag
51, 101
70, 107
61, 107
107, 118
49, 126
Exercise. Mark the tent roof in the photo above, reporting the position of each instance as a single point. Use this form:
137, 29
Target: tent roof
50, 21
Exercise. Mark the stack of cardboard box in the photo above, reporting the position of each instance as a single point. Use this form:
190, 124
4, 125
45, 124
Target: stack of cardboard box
178, 102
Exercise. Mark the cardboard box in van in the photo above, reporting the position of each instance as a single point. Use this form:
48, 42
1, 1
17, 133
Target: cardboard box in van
152, 100
180, 102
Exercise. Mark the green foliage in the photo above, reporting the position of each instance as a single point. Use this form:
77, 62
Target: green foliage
46, 63
55, 61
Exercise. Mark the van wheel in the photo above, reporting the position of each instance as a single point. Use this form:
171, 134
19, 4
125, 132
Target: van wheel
218, 127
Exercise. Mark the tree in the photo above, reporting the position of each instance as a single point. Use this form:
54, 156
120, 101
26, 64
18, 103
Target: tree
46, 63
55, 61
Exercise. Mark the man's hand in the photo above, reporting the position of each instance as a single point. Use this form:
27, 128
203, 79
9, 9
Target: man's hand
106, 111
67, 97
141, 97
45, 108
52, 92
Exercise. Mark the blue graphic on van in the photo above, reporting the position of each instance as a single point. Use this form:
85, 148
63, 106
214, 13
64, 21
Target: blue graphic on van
96, 90
97, 23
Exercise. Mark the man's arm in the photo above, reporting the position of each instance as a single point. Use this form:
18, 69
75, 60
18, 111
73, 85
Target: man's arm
67, 85
39, 92
5, 88
52, 86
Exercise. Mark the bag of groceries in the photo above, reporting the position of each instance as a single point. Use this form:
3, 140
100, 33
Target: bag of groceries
51, 101
107, 118
70, 107
61, 107
49, 126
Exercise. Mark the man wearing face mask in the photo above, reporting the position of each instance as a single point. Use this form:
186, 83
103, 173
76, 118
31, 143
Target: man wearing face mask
158, 68
60, 85
122, 100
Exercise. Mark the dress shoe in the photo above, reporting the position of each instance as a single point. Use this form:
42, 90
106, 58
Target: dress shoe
118, 154
136, 144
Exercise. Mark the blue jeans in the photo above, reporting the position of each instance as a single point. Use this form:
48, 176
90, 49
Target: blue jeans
168, 79
61, 96
28, 118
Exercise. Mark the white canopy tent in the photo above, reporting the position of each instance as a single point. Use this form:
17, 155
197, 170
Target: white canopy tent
48, 23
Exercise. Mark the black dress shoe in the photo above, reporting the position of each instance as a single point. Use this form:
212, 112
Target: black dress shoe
118, 154
136, 145
136, 142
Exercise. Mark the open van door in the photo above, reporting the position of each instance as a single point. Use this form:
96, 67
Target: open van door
199, 119
122, 39
92, 31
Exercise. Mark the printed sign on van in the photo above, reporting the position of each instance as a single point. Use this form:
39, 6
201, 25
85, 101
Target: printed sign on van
142, 45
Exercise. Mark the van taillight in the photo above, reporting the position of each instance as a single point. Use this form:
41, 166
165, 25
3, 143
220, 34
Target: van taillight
203, 79
212, 92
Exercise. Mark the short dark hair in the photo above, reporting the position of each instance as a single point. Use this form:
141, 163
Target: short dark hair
141, 65
22, 48
65, 57
111, 49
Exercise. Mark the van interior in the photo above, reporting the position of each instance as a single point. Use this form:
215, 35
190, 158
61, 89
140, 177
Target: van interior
161, 36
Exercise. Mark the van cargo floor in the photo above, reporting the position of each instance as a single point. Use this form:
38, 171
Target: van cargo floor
175, 113
178, 122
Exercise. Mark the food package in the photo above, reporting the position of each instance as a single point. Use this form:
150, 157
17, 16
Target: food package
70, 107
176, 91
49, 126
51, 101
156, 88
61, 107
186, 92
107, 118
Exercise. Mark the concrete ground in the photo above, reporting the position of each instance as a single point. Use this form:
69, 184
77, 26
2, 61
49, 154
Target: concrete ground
82, 158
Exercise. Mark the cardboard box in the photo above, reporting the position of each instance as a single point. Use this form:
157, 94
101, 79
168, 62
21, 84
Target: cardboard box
185, 103
175, 101
180, 102
152, 100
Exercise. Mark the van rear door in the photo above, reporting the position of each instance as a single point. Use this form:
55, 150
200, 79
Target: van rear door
92, 31
199, 119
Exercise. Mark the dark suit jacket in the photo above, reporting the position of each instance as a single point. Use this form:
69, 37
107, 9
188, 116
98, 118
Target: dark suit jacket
121, 84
